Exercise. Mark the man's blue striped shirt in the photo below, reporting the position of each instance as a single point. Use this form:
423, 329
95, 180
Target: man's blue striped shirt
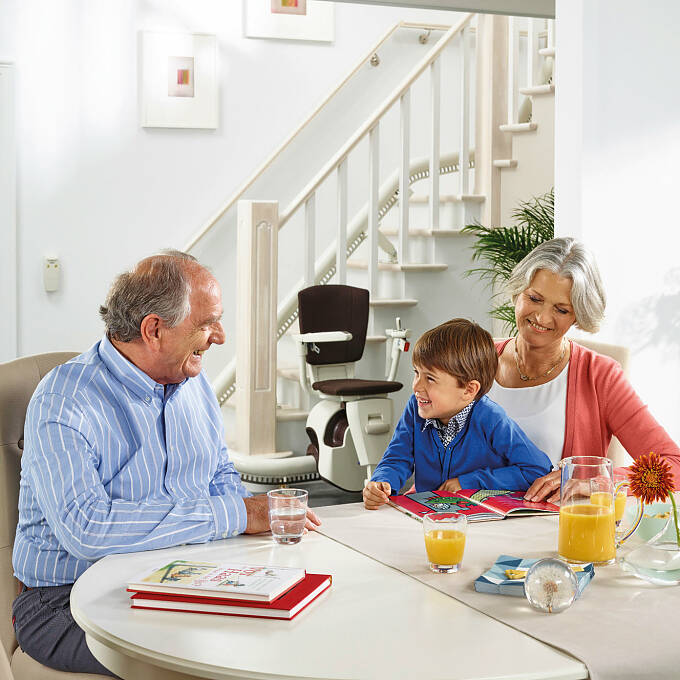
113, 462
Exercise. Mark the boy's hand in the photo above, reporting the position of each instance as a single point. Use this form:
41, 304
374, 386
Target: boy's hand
376, 494
450, 485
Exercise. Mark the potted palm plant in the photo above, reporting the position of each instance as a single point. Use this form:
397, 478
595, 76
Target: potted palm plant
501, 248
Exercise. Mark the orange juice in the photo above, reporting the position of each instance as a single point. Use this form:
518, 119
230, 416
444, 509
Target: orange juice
586, 532
605, 499
445, 546
619, 505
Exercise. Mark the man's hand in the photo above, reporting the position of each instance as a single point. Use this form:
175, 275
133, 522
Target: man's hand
545, 488
376, 494
450, 485
257, 508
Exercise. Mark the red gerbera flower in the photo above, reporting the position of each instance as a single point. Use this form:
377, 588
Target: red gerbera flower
651, 478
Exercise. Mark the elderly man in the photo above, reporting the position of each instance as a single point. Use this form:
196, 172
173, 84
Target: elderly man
124, 452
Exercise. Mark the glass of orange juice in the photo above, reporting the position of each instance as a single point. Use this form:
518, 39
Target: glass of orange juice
445, 534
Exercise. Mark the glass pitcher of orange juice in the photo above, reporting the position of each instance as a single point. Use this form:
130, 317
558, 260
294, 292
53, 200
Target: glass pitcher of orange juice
587, 524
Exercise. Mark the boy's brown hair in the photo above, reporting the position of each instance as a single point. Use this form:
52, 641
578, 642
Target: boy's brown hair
462, 349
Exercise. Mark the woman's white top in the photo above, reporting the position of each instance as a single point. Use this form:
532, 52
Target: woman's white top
540, 411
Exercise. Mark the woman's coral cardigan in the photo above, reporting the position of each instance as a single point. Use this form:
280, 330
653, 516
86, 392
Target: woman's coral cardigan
601, 403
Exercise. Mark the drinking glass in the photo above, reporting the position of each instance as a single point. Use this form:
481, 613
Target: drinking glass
287, 514
444, 540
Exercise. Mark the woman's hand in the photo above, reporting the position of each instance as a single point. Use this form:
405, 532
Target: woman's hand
545, 488
450, 485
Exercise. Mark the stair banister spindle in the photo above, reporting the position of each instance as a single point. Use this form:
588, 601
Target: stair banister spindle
435, 85
341, 240
464, 156
373, 183
405, 110
532, 50
551, 33
310, 241
513, 69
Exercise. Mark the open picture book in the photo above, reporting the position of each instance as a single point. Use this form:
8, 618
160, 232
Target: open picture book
479, 505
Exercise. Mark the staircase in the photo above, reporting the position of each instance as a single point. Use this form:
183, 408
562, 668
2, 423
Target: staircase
346, 218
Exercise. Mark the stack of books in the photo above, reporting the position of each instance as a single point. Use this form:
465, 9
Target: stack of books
231, 589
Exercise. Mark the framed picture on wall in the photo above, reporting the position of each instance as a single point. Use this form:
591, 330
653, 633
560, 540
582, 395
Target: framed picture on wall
178, 80
289, 19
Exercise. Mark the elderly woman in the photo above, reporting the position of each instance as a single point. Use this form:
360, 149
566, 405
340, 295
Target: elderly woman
568, 399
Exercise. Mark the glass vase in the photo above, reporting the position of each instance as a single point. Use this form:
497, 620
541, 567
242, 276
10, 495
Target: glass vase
658, 560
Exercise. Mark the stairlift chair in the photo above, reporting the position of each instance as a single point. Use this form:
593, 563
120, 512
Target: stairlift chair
350, 428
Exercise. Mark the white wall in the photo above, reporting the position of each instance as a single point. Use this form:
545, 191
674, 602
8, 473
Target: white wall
8, 272
101, 192
617, 175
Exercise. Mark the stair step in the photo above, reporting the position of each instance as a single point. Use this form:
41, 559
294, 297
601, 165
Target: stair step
396, 267
506, 163
450, 198
519, 127
423, 232
288, 372
394, 302
549, 88
547, 52
285, 414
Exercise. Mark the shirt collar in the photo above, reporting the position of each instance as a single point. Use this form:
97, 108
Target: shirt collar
129, 375
457, 422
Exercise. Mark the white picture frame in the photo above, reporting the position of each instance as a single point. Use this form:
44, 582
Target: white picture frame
317, 23
178, 80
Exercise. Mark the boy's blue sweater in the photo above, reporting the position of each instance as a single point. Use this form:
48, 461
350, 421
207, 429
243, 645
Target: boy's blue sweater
490, 452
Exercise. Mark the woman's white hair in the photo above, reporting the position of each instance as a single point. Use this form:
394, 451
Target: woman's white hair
570, 259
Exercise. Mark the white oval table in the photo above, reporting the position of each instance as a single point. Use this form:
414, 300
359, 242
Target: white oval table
374, 622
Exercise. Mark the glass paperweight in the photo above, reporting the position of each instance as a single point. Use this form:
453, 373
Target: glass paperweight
550, 585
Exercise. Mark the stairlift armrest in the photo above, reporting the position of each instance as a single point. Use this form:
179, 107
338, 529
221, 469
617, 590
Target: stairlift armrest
326, 336
304, 339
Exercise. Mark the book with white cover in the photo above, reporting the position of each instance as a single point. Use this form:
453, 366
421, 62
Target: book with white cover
262, 583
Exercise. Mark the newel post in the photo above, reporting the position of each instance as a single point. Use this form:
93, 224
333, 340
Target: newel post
256, 301
491, 112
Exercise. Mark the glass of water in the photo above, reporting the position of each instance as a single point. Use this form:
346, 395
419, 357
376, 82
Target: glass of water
287, 514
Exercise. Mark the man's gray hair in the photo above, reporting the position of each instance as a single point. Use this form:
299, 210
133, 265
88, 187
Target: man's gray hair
568, 258
160, 284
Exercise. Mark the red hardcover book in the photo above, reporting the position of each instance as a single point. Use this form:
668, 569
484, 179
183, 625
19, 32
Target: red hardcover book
287, 606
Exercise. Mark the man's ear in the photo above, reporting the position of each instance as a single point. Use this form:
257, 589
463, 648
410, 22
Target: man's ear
472, 389
151, 328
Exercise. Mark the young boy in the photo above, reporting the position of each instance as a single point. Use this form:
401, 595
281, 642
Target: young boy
450, 432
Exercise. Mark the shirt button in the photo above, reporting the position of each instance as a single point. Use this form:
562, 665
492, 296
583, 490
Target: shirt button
225, 535
148, 399
234, 532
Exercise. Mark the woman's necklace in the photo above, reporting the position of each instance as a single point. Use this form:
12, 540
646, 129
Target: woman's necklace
525, 378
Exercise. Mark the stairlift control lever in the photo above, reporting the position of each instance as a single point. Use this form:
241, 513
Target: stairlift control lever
398, 343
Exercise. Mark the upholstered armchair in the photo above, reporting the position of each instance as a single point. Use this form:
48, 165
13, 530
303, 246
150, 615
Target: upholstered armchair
18, 380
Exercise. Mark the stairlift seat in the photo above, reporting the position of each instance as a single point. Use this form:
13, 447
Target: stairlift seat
354, 387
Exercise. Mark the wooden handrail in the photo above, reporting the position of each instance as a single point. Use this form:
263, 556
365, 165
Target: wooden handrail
207, 227
371, 122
